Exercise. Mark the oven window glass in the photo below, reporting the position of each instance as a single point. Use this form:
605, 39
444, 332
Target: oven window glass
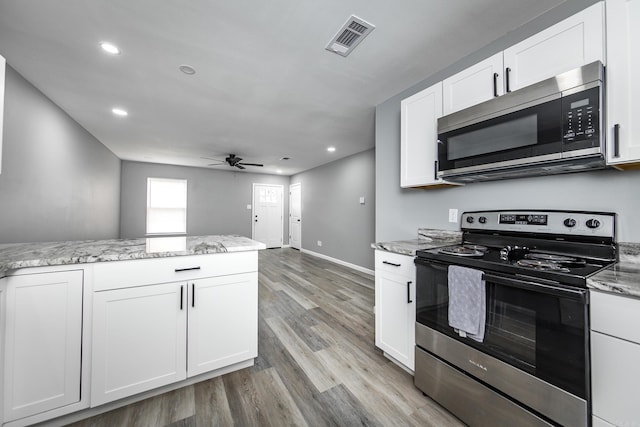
492, 139
542, 334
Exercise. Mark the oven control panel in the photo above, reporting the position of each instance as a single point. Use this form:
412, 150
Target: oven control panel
549, 222
523, 219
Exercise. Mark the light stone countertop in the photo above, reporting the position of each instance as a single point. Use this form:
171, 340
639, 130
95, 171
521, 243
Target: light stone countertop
22, 255
623, 278
427, 239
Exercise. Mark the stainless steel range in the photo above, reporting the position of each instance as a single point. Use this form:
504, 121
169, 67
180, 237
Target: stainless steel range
502, 320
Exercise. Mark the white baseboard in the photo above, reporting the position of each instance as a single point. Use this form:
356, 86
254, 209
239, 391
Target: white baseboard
338, 261
286, 246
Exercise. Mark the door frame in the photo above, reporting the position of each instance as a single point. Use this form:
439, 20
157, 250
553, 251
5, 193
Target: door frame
299, 185
253, 209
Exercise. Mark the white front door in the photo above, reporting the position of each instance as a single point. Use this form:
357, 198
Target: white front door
295, 216
267, 214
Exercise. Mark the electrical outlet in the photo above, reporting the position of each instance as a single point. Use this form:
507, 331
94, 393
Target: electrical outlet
453, 215
362, 200
248, 207
319, 242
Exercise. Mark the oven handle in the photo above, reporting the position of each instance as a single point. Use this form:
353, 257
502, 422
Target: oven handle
576, 294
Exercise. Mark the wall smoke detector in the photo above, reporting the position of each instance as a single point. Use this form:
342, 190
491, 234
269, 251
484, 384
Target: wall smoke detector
349, 36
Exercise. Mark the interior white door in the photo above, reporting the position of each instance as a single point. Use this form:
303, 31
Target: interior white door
295, 216
268, 214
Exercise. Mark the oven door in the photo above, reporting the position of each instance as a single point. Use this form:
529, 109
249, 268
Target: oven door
541, 329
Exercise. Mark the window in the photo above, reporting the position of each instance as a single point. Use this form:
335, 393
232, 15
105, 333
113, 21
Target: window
166, 206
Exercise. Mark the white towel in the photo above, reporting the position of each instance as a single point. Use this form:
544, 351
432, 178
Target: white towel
467, 302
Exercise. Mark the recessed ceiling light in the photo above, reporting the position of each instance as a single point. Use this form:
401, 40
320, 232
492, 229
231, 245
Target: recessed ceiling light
119, 112
285, 158
110, 48
331, 149
187, 69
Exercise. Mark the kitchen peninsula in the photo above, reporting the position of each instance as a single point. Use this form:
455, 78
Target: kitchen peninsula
99, 324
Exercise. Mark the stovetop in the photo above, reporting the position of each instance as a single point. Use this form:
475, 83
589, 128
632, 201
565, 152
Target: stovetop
570, 273
560, 246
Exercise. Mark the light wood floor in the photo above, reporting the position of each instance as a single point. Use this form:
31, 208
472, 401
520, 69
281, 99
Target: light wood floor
317, 363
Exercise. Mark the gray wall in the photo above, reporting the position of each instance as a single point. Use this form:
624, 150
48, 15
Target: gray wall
58, 182
216, 200
332, 213
400, 212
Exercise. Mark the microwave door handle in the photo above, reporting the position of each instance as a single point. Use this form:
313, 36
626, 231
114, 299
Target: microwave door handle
576, 294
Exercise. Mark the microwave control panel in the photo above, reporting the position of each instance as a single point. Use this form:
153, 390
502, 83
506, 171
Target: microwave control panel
581, 116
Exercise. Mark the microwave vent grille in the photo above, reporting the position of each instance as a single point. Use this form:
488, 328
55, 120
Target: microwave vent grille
349, 36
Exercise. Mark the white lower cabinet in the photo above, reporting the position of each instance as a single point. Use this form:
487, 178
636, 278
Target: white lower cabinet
615, 352
43, 343
149, 336
139, 340
222, 322
395, 310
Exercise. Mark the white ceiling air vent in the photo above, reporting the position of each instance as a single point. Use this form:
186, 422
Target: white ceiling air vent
349, 36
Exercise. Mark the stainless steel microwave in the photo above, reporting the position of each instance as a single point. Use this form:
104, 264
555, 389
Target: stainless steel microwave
554, 126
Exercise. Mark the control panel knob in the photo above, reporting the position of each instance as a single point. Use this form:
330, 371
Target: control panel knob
570, 222
470, 219
593, 223
483, 220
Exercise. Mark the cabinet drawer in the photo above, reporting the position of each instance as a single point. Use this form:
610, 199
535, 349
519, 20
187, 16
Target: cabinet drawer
123, 274
395, 263
615, 315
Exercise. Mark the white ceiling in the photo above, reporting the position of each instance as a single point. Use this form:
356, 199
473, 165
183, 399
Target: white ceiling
265, 86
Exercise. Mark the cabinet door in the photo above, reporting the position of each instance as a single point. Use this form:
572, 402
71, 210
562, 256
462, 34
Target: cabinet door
418, 137
223, 321
623, 87
576, 41
43, 342
615, 374
474, 85
2, 73
396, 316
139, 340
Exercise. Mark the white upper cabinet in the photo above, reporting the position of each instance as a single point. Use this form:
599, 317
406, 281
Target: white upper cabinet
474, 85
572, 43
576, 41
2, 68
623, 87
418, 135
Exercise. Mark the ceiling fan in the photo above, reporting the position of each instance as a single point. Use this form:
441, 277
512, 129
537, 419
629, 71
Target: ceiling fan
233, 161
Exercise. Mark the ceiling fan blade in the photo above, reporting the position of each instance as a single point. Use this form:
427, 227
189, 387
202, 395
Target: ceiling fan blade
217, 164
211, 158
239, 166
251, 164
